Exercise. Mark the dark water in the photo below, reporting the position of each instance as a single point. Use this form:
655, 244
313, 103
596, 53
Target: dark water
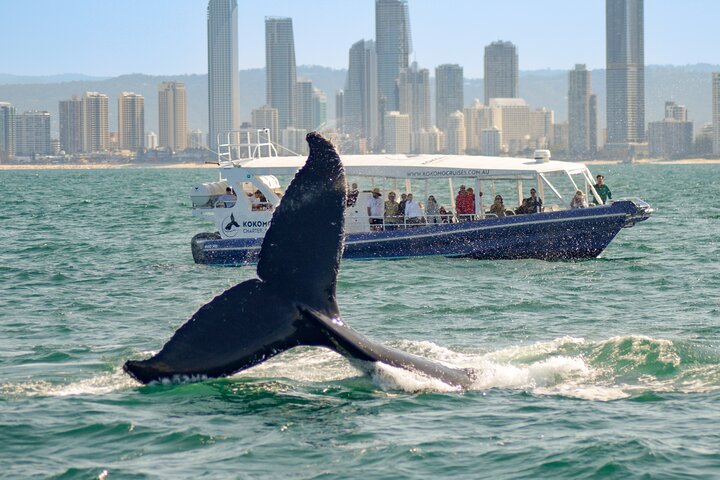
606, 368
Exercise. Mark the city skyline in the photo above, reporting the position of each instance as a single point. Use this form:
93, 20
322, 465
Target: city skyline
439, 35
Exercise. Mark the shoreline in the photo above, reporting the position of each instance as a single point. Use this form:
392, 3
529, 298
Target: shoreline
111, 166
101, 166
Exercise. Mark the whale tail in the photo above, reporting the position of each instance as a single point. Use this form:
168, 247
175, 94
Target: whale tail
294, 300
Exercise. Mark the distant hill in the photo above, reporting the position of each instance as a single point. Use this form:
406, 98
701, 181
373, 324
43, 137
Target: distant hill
688, 85
7, 79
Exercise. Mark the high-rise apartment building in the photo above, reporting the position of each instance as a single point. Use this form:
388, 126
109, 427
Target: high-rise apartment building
71, 130
7, 131
582, 137
397, 132
716, 112
491, 141
393, 46
172, 116
32, 134
515, 123
340, 110
131, 121
266, 117
360, 110
594, 144
541, 127
280, 71
456, 136
448, 93
319, 108
414, 96
95, 133
479, 117
223, 69
501, 71
625, 76
304, 105
672, 137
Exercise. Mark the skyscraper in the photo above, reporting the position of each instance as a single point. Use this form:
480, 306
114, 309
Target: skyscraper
456, 136
7, 132
448, 93
304, 105
223, 69
501, 71
280, 71
625, 72
672, 137
70, 118
397, 132
360, 98
266, 117
131, 121
172, 116
95, 122
414, 96
32, 133
319, 108
393, 44
515, 129
716, 112
582, 140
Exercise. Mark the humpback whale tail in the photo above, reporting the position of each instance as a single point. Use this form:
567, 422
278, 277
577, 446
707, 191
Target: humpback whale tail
293, 302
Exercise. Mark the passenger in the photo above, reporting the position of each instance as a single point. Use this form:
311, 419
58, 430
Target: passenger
445, 215
375, 210
352, 195
470, 203
433, 211
259, 202
498, 207
228, 199
579, 200
461, 203
401, 205
524, 207
413, 211
602, 190
532, 204
392, 219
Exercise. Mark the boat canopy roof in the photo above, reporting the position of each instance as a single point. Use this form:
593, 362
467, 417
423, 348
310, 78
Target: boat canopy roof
416, 166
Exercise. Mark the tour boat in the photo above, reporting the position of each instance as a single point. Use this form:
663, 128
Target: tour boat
256, 175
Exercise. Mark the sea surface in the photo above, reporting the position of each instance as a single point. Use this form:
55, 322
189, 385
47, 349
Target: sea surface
602, 368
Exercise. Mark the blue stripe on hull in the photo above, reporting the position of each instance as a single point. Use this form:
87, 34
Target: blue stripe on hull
568, 234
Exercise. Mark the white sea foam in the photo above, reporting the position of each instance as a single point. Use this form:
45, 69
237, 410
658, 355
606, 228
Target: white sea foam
566, 366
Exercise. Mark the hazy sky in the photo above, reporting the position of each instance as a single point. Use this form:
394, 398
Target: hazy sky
113, 37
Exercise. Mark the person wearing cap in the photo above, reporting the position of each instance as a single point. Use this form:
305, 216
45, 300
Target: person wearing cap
375, 209
602, 189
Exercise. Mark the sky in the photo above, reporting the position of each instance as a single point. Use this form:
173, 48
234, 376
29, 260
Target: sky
168, 37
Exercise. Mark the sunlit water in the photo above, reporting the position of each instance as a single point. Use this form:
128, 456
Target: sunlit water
600, 368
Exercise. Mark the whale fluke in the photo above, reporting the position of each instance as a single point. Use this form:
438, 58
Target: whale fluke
293, 302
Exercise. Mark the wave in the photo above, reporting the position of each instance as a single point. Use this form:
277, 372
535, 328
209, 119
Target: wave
611, 369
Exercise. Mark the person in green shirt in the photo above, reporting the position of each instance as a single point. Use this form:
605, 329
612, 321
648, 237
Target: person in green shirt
602, 189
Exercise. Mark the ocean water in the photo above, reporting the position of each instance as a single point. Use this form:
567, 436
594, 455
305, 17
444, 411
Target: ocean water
602, 368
